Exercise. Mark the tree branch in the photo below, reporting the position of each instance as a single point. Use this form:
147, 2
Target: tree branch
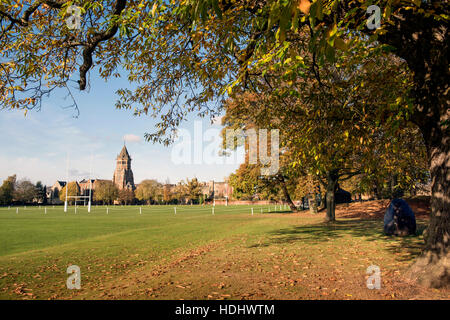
95, 40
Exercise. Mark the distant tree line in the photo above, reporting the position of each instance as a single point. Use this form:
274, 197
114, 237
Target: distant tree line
153, 192
22, 191
149, 191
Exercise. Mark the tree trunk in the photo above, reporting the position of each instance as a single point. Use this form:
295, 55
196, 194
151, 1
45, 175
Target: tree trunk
432, 268
438, 232
332, 179
312, 203
422, 41
432, 116
377, 191
286, 195
324, 201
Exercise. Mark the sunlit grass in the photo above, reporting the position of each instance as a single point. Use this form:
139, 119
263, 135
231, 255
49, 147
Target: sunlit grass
122, 250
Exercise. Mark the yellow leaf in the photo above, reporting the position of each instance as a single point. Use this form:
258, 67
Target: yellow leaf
332, 31
155, 5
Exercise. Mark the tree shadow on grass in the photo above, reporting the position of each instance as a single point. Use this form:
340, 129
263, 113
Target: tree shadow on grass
278, 212
369, 229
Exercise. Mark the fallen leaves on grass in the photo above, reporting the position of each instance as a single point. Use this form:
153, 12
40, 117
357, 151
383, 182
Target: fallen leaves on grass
22, 291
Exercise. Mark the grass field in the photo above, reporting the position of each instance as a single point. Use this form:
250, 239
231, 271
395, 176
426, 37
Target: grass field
195, 254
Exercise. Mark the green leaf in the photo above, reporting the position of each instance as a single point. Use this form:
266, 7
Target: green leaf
319, 9
217, 9
340, 44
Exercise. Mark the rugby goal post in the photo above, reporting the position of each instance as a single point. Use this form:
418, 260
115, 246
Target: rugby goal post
81, 198
89, 197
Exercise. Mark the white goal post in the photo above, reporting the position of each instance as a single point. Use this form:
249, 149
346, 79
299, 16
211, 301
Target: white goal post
80, 198
89, 197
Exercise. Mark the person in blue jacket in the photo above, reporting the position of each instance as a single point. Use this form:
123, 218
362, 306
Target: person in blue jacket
399, 219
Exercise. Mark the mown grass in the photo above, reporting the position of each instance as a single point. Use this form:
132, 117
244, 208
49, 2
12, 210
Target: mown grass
194, 254
36, 248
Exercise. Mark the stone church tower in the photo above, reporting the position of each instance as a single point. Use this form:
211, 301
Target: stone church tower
123, 176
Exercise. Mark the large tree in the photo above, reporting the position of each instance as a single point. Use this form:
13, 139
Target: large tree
194, 190
25, 191
418, 31
126, 196
73, 189
249, 184
179, 192
167, 195
7, 190
330, 128
41, 193
105, 191
148, 190
250, 112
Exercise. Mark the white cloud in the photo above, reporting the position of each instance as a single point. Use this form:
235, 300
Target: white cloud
31, 168
131, 138
78, 173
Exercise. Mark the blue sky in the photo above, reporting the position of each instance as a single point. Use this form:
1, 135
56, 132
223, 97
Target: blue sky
35, 146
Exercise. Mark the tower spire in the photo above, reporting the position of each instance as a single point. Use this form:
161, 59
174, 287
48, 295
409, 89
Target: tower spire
123, 176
